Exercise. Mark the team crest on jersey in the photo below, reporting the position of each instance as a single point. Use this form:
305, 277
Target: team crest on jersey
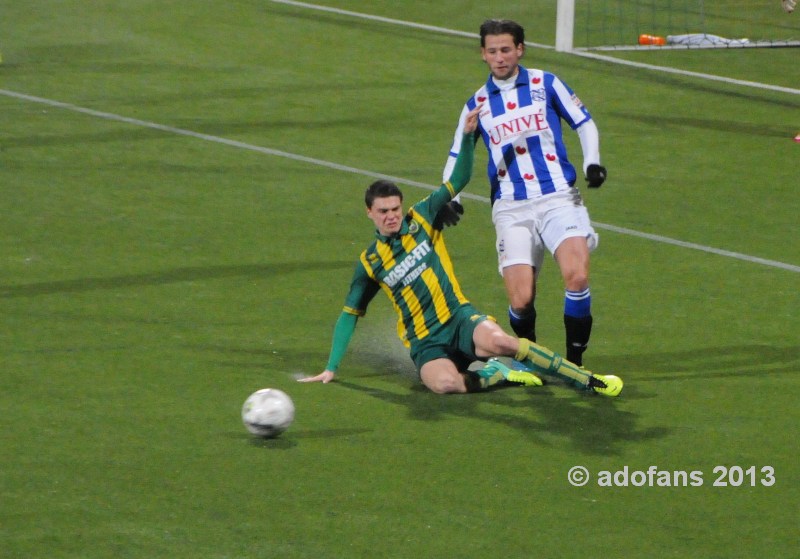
538, 94
413, 227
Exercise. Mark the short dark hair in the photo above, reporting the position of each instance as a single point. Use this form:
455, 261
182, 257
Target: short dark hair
502, 27
381, 189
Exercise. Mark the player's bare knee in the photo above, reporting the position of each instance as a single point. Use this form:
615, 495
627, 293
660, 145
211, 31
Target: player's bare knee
446, 384
521, 300
576, 280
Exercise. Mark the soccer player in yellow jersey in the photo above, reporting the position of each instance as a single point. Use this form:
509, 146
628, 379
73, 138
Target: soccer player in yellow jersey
445, 334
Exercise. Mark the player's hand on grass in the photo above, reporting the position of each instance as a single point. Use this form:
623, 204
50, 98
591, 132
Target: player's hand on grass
788, 5
324, 377
595, 175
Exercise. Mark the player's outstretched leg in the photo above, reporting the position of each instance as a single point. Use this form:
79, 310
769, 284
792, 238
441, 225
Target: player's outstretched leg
495, 371
540, 358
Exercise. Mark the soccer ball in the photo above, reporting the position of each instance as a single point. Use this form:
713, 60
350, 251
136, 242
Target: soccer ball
268, 412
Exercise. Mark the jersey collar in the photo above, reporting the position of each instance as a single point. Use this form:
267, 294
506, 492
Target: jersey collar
388, 238
521, 80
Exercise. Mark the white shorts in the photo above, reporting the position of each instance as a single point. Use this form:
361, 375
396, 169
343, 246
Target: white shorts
525, 228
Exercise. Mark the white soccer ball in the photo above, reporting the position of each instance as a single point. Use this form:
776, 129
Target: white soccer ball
268, 412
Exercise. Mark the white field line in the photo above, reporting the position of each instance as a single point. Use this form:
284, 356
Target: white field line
382, 19
363, 172
577, 52
668, 70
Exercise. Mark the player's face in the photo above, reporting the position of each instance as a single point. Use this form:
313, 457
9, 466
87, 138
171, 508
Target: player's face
387, 214
502, 55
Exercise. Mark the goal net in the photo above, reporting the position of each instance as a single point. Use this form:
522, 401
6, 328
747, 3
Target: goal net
658, 24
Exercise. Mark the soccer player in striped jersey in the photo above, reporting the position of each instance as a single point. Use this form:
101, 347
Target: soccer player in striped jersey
445, 334
535, 203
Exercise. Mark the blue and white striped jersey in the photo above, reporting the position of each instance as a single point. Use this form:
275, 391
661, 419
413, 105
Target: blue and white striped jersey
521, 127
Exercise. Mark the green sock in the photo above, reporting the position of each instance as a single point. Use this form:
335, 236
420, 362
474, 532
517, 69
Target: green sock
549, 362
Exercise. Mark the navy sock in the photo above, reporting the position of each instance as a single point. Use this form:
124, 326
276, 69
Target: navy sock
577, 323
523, 325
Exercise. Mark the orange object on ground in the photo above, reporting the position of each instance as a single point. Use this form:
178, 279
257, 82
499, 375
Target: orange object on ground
645, 39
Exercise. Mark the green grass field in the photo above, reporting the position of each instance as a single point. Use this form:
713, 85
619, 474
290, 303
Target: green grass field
166, 251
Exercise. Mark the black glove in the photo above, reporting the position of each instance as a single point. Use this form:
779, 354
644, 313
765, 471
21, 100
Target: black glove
596, 175
448, 215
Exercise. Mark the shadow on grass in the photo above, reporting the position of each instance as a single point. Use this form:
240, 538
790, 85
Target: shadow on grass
557, 414
548, 416
553, 414
176, 275
288, 440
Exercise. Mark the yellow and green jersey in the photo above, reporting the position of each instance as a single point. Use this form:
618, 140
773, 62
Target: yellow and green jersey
414, 269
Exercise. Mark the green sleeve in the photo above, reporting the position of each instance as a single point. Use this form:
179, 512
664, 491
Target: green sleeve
342, 332
459, 177
462, 171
